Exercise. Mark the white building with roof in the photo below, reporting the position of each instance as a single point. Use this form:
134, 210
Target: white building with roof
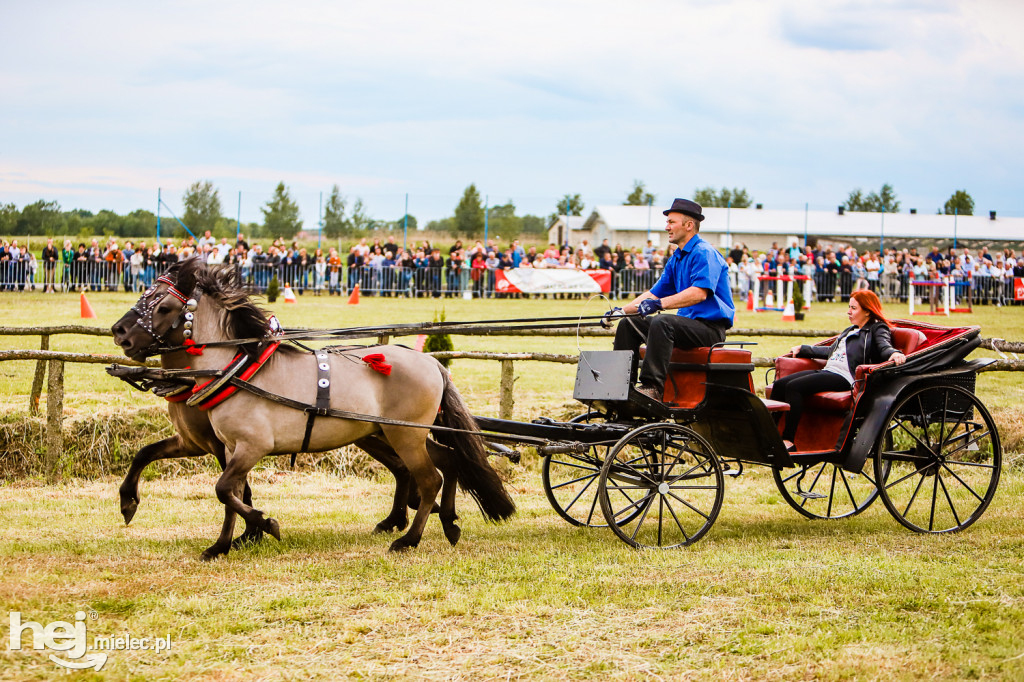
632, 226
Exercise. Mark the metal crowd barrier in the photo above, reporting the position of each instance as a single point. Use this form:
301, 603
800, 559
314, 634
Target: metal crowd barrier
77, 276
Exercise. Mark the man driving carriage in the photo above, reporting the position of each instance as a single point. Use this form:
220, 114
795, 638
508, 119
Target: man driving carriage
695, 283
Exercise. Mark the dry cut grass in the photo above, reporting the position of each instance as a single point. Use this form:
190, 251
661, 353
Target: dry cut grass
767, 595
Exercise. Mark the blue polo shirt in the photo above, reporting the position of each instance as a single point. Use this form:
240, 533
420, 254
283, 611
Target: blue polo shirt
698, 264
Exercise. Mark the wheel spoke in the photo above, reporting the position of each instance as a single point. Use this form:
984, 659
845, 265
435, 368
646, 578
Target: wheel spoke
914, 496
594, 466
640, 523
633, 505
924, 420
949, 500
575, 480
942, 424
962, 482
831, 492
661, 518
967, 444
935, 494
900, 480
914, 436
675, 518
682, 501
849, 492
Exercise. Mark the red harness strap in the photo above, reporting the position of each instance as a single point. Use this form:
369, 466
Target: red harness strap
247, 373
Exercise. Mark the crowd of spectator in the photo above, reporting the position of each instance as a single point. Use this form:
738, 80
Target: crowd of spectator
383, 267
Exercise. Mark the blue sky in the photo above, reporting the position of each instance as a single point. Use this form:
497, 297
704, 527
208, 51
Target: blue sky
797, 101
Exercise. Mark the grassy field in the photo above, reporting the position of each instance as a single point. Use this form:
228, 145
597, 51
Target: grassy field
766, 595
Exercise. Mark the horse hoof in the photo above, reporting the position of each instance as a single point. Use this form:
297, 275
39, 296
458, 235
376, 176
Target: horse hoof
401, 545
386, 526
212, 553
128, 510
247, 539
453, 533
271, 526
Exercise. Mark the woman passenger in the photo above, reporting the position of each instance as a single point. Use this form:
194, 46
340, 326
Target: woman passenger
867, 341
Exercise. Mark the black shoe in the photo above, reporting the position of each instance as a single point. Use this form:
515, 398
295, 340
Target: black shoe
650, 392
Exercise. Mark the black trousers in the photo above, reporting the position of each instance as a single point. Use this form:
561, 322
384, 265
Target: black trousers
795, 388
662, 333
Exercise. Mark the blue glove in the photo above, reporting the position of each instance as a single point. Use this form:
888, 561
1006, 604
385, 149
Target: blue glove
649, 306
610, 317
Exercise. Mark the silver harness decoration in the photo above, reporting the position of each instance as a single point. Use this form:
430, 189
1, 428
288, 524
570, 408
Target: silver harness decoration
145, 307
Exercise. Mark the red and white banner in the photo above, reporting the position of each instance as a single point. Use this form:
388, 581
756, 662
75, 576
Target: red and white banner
1018, 289
552, 281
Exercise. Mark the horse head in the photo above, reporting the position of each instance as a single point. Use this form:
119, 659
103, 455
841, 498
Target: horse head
162, 315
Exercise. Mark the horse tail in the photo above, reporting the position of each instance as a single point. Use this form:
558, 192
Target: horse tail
476, 475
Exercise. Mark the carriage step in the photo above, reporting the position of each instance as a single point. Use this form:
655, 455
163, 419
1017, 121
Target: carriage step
810, 496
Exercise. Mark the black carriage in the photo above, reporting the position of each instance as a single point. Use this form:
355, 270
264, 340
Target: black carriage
915, 435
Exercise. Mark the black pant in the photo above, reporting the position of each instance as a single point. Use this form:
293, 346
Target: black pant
662, 333
793, 389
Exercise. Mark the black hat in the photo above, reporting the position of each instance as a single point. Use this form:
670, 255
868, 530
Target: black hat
686, 207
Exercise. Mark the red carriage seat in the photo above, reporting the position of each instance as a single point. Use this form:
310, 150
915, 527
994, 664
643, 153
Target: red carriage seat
903, 339
688, 373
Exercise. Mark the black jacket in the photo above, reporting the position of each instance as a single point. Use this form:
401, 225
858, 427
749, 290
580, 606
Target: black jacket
871, 346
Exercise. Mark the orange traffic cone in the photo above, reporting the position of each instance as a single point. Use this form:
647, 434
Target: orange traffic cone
289, 295
750, 300
87, 310
769, 300
789, 314
354, 298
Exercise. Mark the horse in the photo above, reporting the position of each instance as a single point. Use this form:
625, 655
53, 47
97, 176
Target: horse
194, 437
200, 307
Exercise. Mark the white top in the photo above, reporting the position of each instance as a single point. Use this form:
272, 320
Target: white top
837, 362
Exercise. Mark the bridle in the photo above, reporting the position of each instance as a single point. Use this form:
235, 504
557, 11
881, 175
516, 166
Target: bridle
148, 302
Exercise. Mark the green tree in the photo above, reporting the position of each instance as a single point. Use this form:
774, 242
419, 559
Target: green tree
502, 219
106, 223
335, 223
639, 196
42, 217
570, 204
533, 224
360, 220
9, 215
281, 215
400, 223
202, 207
469, 214
736, 197
139, 223
960, 203
884, 200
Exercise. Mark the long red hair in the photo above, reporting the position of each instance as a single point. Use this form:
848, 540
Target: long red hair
868, 300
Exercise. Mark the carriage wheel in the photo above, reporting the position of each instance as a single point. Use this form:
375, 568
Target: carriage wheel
826, 491
661, 486
943, 451
570, 483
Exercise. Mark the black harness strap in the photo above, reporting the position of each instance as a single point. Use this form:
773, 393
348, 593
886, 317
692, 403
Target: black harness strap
323, 399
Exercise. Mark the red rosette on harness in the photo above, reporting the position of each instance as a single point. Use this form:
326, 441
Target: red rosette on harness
191, 348
376, 363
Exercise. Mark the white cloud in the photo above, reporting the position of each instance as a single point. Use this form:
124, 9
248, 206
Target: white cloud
796, 100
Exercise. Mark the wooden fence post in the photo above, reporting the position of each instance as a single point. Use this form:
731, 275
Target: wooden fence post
37, 381
54, 418
507, 400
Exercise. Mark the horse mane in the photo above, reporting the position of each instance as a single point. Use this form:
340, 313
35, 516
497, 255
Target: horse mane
245, 319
